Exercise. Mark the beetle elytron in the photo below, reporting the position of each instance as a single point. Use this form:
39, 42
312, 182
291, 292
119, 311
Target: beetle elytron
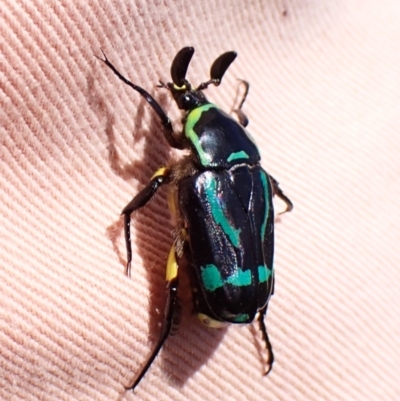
222, 199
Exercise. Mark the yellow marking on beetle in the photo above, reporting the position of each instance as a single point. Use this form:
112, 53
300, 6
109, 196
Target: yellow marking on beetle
184, 234
180, 88
171, 200
163, 171
209, 322
172, 266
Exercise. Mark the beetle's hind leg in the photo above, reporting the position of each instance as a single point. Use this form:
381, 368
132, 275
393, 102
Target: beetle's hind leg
241, 116
270, 355
279, 193
172, 312
161, 177
171, 316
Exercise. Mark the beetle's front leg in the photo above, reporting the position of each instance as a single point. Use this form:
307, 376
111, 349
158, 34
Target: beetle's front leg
279, 193
171, 316
243, 120
165, 121
161, 177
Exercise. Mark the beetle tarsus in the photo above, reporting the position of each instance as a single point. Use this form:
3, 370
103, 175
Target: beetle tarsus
264, 334
279, 193
168, 323
243, 120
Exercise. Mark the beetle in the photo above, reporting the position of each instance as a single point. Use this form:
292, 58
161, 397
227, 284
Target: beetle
222, 200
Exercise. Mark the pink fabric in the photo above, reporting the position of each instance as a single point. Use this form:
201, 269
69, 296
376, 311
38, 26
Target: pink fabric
324, 107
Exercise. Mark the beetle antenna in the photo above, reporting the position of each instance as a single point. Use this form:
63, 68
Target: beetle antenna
218, 69
180, 65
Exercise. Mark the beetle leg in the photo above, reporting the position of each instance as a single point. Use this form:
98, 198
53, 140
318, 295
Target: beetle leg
171, 315
161, 177
165, 121
243, 120
261, 320
165, 331
279, 193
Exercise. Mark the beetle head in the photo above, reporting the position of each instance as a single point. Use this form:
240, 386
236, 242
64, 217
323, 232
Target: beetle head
181, 89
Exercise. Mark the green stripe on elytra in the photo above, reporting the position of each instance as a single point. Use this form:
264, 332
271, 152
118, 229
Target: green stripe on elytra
192, 118
242, 318
264, 273
212, 279
218, 214
238, 155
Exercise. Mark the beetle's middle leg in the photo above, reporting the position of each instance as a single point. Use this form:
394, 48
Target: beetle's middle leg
161, 177
276, 190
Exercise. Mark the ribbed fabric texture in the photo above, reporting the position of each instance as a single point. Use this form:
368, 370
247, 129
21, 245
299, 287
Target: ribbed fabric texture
77, 144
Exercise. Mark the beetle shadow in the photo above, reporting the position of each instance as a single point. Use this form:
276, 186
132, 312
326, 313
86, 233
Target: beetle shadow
153, 250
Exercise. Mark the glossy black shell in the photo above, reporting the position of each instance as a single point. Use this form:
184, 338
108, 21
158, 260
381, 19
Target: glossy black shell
228, 215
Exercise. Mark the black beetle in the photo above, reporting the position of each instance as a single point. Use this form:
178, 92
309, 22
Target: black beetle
222, 199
